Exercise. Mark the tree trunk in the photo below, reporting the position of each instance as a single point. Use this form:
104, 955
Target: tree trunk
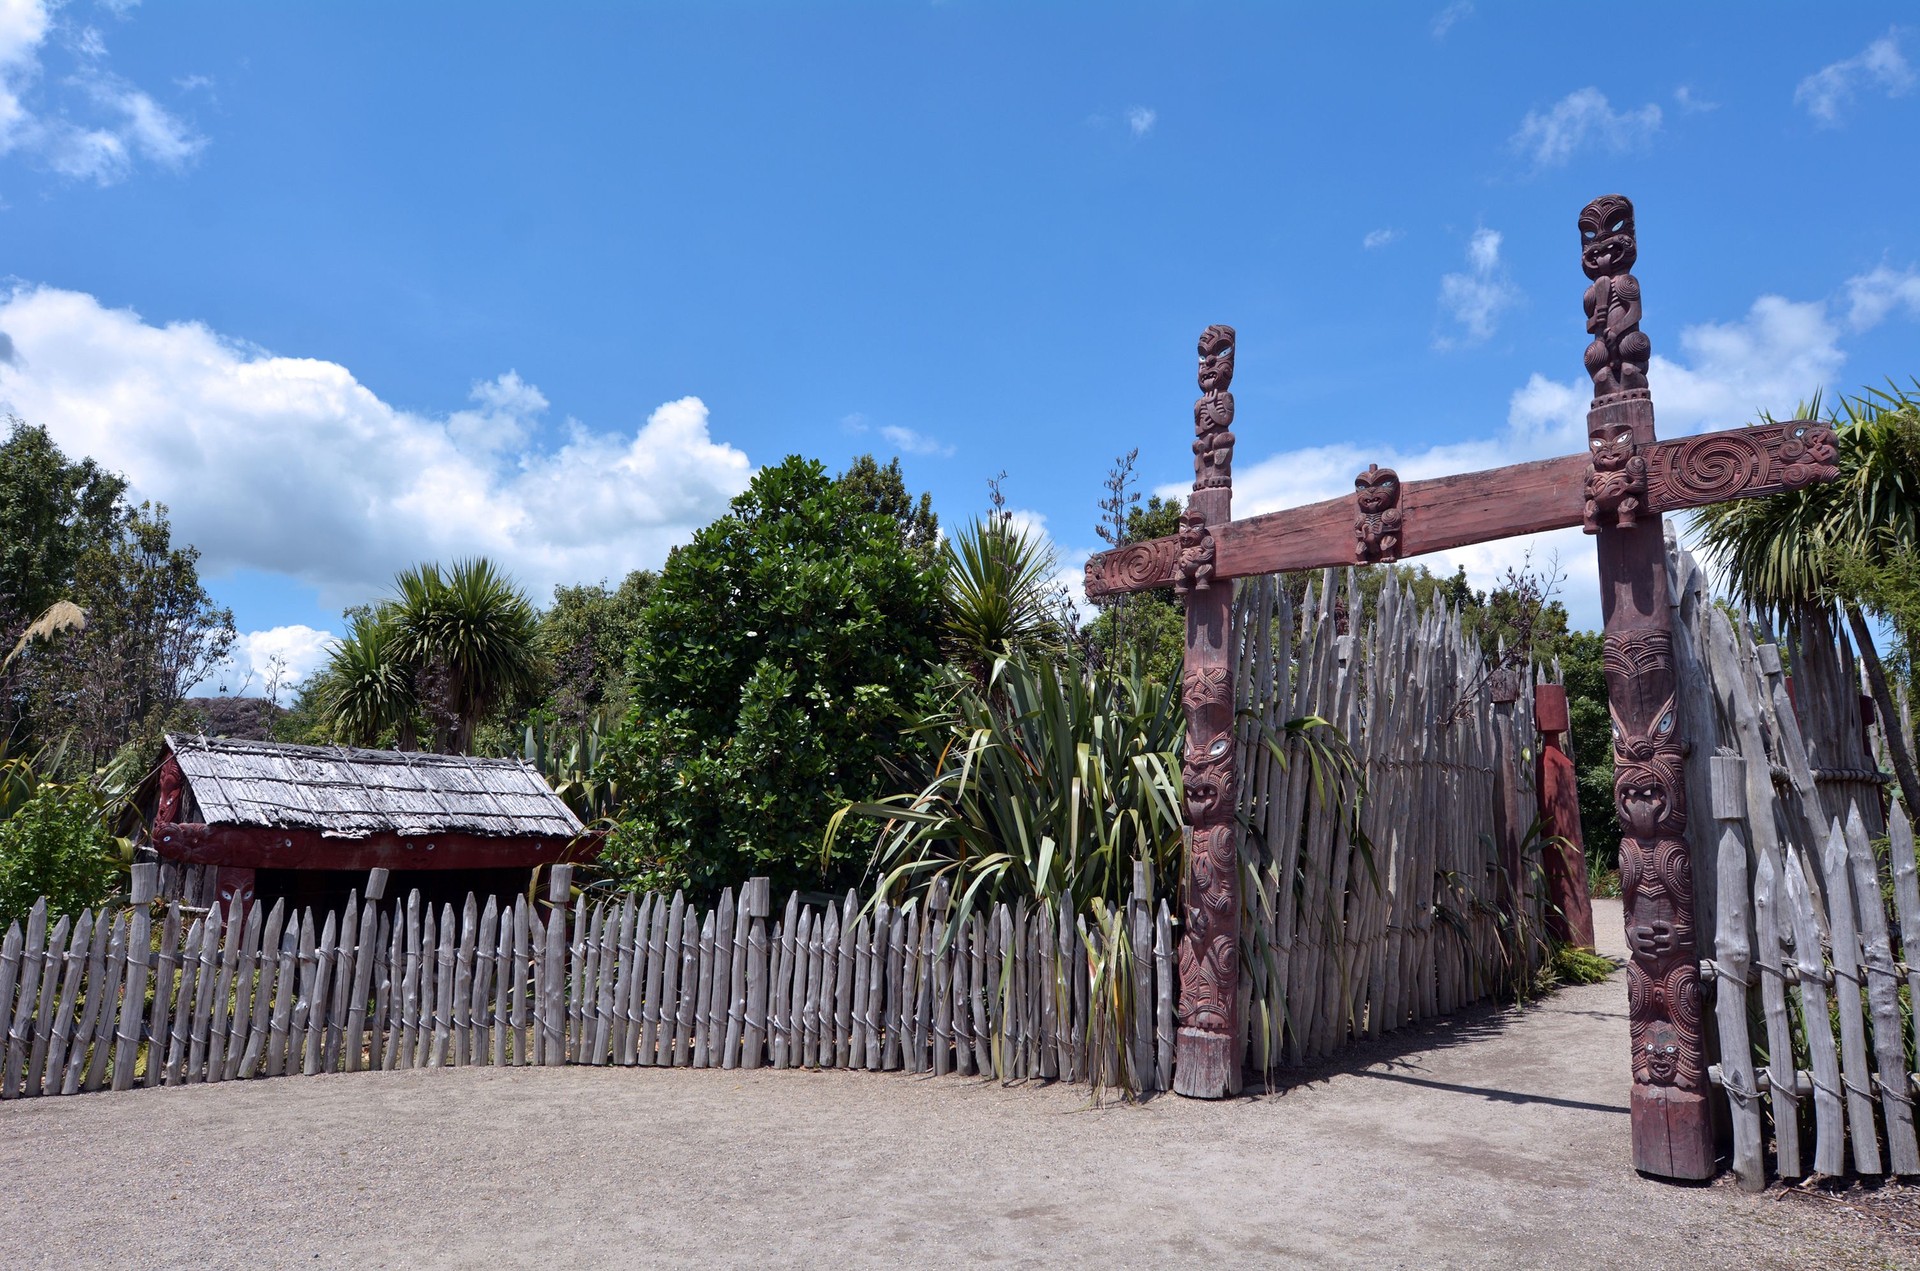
1899, 745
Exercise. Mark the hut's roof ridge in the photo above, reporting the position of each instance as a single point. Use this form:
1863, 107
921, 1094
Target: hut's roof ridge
349, 793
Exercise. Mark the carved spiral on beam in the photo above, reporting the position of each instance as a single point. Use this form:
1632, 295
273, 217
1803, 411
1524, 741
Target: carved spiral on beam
1717, 465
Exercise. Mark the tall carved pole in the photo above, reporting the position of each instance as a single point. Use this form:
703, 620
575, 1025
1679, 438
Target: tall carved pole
1672, 1128
1210, 941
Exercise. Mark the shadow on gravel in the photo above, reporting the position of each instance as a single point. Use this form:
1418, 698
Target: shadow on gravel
1498, 1096
1474, 1025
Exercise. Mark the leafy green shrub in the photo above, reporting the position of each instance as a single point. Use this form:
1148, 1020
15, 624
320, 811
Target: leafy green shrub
778, 657
55, 845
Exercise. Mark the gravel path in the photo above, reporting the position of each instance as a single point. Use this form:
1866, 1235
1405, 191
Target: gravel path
1497, 1139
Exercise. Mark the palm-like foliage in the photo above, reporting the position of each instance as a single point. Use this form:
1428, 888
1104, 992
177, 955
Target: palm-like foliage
449, 646
1779, 551
998, 594
367, 687
1795, 550
472, 637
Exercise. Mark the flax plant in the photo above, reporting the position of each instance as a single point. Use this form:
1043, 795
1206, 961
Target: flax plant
1047, 786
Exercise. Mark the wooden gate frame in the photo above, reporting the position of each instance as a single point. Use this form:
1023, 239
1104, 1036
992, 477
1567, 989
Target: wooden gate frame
1617, 491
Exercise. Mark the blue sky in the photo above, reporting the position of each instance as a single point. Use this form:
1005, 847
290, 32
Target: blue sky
353, 285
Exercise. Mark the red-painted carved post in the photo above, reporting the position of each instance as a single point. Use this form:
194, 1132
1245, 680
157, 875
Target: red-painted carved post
1672, 1127
1210, 941
1557, 786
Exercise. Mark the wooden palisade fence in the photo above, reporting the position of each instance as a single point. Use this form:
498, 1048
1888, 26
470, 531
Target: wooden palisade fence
1810, 939
1346, 936
638, 980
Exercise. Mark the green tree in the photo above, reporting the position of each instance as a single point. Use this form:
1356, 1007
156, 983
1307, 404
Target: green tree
884, 490
1149, 627
776, 659
586, 635
1592, 729
52, 512
152, 634
1825, 546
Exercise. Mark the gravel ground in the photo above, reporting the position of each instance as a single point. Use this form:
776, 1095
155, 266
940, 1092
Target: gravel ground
1495, 1139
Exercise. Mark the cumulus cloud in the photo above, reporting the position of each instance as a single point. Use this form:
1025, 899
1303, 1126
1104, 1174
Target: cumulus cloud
1475, 299
1580, 119
291, 465
1140, 120
1380, 238
1881, 65
274, 661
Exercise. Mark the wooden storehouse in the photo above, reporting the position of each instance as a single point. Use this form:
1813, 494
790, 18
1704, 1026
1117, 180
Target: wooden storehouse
234, 819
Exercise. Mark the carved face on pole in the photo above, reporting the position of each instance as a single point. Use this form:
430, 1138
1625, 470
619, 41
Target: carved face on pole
1612, 446
1216, 359
1377, 489
1606, 237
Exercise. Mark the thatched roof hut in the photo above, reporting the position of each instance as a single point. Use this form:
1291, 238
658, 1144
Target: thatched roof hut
247, 806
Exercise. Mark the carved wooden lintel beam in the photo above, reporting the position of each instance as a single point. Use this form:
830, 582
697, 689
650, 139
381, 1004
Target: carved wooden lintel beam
1475, 507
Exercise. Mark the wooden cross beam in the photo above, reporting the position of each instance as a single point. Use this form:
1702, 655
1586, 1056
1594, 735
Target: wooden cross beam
1475, 507
1618, 491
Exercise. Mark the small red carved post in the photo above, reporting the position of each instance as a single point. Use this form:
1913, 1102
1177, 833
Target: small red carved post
1210, 941
1563, 855
1672, 1121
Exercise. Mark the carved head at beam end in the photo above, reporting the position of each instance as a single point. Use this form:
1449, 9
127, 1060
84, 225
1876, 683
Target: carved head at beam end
1607, 247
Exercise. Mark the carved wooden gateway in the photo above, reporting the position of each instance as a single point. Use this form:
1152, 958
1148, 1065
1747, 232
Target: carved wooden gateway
1618, 491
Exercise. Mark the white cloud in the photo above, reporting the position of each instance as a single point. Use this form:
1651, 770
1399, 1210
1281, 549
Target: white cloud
250, 669
914, 443
1690, 104
1380, 238
905, 440
1444, 20
1581, 118
93, 125
1880, 65
291, 465
1140, 119
1873, 295
1474, 299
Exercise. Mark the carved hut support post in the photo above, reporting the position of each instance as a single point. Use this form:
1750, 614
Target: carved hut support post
1672, 1123
1210, 942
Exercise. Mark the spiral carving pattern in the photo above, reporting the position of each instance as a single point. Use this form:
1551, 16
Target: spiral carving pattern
1717, 465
